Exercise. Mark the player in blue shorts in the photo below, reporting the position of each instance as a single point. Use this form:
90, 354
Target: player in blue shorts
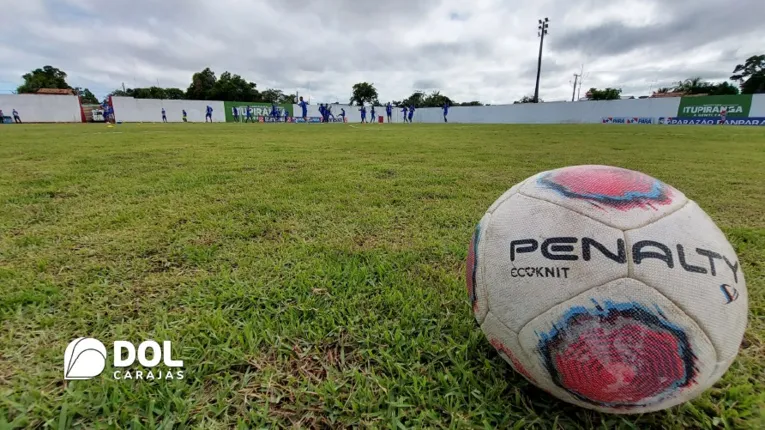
208, 115
363, 111
248, 114
446, 110
411, 113
404, 110
185, 119
342, 114
164, 115
374, 118
389, 111
304, 109
235, 111
274, 112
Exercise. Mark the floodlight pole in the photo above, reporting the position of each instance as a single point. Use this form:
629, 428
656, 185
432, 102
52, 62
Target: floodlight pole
541, 34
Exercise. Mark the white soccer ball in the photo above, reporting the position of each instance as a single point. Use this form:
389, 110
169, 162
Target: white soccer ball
607, 288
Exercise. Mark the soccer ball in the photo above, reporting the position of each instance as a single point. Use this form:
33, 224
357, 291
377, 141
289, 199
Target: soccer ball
607, 288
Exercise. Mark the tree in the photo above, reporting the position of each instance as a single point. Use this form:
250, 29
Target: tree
722, 89
473, 103
436, 99
527, 99
698, 86
175, 94
150, 93
272, 96
606, 94
202, 84
417, 99
692, 86
233, 88
364, 92
751, 75
47, 77
86, 96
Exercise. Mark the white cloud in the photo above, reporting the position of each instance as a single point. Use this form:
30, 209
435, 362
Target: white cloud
480, 50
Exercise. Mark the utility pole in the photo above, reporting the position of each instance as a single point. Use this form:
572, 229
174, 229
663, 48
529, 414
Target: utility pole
576, 78
541, 34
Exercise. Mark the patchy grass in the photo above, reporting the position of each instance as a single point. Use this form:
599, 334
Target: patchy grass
313, 276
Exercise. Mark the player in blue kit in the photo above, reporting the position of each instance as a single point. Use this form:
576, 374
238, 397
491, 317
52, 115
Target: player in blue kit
403, 111
411, 113
248, 114
446, 110
208, 115
389, 111
235, 111
373, 118
363, 111
304, 108
185, 118
274, 112
164, 115
342, 114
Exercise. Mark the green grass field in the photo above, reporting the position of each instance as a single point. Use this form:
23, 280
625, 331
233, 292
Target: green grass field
313, 275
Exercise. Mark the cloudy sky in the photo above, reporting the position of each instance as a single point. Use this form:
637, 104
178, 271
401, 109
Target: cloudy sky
468, 49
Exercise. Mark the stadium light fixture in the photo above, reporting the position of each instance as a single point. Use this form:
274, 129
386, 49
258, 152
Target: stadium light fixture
541, 32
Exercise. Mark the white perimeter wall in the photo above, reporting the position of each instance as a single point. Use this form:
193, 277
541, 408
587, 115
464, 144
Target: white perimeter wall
56, 108
553, 113
128, 109
529, 113
758, 106
42, 107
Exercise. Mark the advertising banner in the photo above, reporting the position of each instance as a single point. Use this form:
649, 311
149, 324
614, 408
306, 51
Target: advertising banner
258, 110
264, 119
628, 120
748, 121
311, 119
711, 106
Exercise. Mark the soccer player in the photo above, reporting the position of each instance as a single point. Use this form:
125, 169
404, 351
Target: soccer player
329, 112
275, 112
411, 113
374, 118
208, 115
304, 108
342, 114
363, 111
185, 119
248, 115
404, 112
389, 111
286, 115
322, 112
235, 111
446, 110
164, 115
16, 117
723, 115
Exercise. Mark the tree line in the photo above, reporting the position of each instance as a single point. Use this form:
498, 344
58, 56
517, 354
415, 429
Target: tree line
366, 93
205, 85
